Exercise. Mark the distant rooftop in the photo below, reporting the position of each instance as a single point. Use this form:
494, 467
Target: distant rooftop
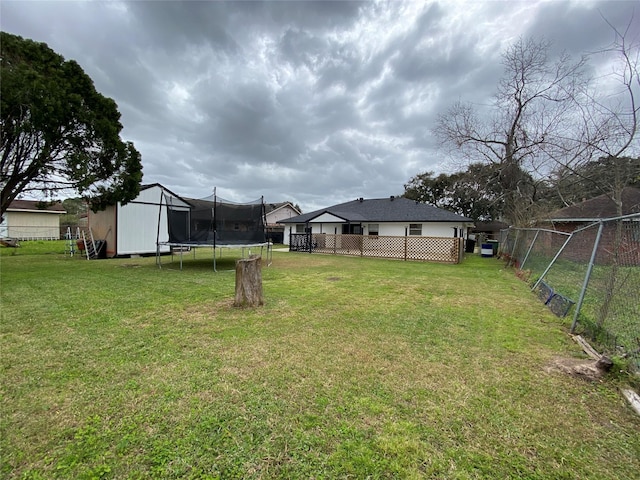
599, 207
36, 206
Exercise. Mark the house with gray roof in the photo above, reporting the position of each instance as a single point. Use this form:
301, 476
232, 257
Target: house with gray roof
373, 220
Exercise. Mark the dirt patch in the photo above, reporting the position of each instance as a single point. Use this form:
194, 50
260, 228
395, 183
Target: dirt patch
333, 279
130, 265
578, 368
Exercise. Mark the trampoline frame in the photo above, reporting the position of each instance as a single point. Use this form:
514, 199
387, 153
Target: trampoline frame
267, 245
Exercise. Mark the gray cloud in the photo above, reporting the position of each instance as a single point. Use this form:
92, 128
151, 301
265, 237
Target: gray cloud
315, 102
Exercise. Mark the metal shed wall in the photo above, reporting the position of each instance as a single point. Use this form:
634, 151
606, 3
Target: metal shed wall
137, 223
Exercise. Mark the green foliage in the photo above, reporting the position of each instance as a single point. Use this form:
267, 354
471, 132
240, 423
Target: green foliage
75, 207
477, 192
473, 193
57, 131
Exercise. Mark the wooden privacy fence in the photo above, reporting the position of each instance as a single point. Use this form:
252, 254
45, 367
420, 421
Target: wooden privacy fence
433, 249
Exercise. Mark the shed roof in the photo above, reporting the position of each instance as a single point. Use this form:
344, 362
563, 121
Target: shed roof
392, 209
147, 186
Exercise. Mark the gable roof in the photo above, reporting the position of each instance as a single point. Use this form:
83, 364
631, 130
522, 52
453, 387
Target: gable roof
36, 206
272, 207
598, 207
392, 209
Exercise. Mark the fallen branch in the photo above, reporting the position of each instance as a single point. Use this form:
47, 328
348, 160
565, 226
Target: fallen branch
588, 349
633, 398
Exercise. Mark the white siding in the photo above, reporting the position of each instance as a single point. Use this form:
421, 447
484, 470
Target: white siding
137, 229
326, 218
30, 225
429, 229
281, 214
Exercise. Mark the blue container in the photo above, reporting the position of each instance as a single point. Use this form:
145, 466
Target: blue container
486, 250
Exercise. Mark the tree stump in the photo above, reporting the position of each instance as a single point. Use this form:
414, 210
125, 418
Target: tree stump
249, 282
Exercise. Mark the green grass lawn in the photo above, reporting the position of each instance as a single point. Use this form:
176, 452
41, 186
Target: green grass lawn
354, 368
621, 321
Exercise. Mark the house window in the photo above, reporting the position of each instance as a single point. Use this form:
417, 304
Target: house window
374, 228
351, 228
299, 227
415, 229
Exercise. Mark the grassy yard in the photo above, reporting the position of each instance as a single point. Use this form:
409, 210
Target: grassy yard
354, 368
621, 322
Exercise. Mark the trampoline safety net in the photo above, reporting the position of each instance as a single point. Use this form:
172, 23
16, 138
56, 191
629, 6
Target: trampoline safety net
217, 222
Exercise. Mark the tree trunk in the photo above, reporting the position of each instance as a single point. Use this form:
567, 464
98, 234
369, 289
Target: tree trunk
249, 282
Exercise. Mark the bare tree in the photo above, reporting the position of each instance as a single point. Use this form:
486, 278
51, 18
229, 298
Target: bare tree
611, 115
533, 106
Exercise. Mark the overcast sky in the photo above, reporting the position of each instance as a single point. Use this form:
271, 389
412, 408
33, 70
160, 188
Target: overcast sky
312, 102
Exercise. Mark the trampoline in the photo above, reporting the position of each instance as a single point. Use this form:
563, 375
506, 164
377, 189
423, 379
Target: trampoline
214, 223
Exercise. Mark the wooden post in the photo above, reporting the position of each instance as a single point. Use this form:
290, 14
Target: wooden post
249, 282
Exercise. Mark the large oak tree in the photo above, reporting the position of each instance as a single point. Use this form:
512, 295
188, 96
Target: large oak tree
474, 192
57, 132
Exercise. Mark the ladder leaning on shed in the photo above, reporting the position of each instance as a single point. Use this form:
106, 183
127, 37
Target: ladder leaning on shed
89, 246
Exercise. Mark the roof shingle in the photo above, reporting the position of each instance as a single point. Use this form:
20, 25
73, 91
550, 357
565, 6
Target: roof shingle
392, 209
600, 207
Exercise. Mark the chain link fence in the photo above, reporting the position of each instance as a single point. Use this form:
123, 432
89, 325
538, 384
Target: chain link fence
590, 276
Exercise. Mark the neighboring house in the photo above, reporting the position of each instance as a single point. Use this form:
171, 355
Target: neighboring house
588, 212
32, 220
393, 227
135, 228
569, 218
275, 212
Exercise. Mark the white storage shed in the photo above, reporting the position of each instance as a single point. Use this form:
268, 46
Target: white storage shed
137, 227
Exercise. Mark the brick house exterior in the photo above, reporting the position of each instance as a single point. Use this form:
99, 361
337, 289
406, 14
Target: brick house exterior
591, 212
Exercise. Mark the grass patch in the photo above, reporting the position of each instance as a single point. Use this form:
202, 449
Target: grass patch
620, 328
354, 368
